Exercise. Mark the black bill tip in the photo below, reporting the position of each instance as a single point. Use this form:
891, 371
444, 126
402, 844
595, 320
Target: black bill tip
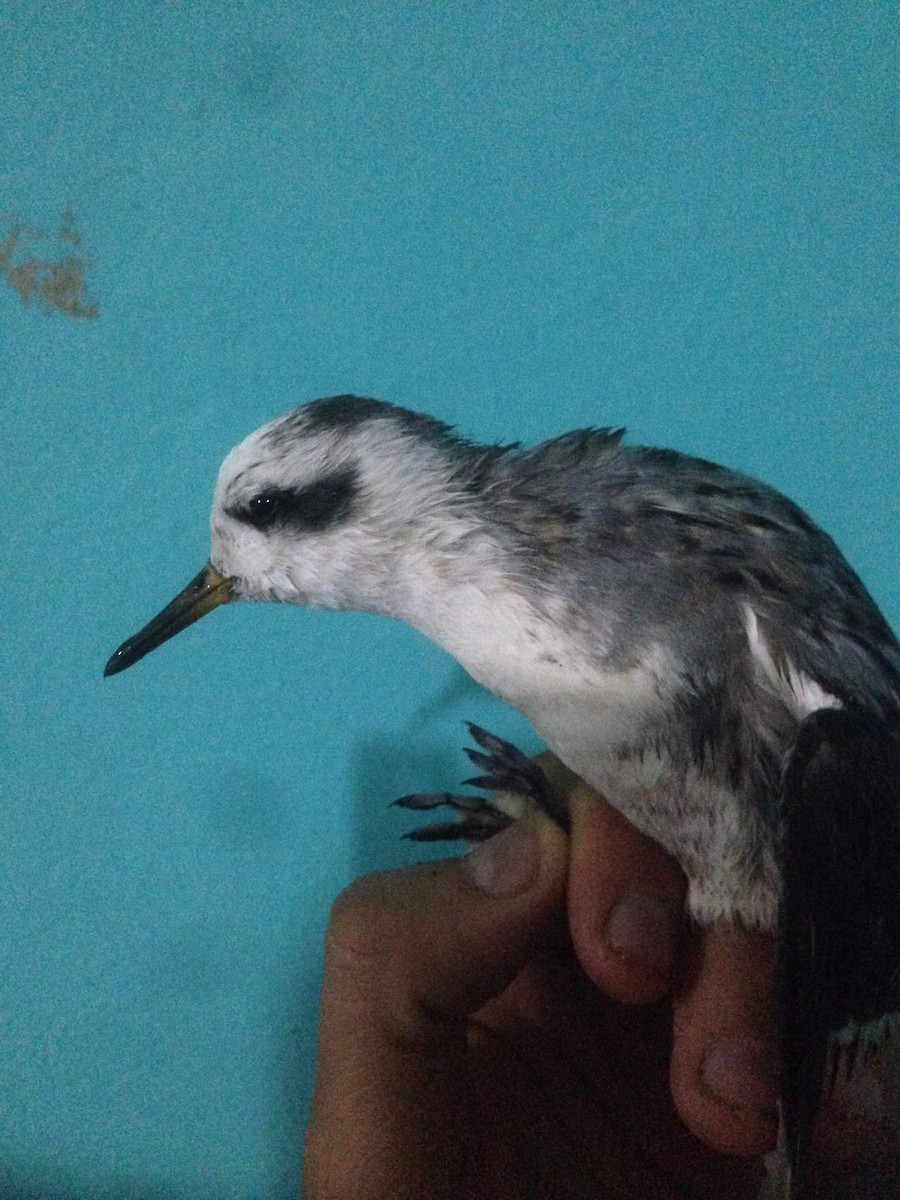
205, 592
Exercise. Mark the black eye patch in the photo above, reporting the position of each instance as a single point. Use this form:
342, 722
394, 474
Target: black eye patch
318, 506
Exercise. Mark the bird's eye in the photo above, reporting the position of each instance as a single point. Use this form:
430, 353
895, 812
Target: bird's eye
319, 505
263, 510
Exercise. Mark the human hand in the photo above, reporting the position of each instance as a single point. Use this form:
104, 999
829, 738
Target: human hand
724, 1064
464, 1051
464, 1054
626, 904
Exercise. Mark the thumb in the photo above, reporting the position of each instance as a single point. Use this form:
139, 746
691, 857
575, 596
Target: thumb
409, 956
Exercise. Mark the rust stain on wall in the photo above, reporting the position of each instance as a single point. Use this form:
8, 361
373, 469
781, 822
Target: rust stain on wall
53, 281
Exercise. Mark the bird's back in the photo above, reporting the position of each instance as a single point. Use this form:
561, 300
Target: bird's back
655, 546
716, 616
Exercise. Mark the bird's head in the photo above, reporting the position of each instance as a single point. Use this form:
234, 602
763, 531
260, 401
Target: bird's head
333, 506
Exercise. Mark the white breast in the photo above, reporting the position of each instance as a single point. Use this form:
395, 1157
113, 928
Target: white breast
529, 660
590, 716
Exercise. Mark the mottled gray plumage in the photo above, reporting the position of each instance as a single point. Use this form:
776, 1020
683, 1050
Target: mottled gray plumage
652, 545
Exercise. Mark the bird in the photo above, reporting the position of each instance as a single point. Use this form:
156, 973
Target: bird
682, 636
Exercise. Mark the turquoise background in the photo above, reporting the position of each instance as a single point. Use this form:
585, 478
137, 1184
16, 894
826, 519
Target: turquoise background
520, 217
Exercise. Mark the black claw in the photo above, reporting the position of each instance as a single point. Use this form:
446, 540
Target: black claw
450, 831
477, 827
502, 780
490, 783
497, 748
485, 761
490, 741
424, 802
506, 769
479, 819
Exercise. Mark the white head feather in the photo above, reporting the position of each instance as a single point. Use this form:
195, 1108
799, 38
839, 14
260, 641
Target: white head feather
406, 506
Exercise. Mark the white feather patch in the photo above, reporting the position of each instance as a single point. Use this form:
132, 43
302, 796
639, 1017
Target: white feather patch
800, 693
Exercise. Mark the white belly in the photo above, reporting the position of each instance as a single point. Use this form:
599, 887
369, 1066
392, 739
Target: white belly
589, 717
706, 826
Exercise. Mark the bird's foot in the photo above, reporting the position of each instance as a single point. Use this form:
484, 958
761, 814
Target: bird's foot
478, 818
507, 771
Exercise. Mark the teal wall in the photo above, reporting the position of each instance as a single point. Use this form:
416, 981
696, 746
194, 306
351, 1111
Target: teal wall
521, 217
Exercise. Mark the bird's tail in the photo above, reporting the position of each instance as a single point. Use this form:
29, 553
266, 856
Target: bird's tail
839, 918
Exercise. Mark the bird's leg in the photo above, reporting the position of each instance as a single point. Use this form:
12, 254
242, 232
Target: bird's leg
479, 819
507, 771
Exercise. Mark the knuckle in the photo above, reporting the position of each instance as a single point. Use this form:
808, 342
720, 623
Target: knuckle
364, 925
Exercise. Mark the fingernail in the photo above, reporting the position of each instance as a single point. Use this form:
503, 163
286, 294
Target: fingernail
506, 864
643, 929
743, 1074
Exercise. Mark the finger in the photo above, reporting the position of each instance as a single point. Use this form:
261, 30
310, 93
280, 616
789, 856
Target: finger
724, 1070
625, 899
409, 954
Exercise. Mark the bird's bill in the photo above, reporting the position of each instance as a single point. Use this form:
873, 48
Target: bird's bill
204, 593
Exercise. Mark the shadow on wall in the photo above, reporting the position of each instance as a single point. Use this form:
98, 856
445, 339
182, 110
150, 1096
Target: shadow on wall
28, 1181
292, 1061
56, 1194
383, 769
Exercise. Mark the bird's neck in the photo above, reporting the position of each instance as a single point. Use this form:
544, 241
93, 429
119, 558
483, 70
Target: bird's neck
463, 594
453, 570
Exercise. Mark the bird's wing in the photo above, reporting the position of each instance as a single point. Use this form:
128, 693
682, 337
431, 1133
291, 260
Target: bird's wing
839, 919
